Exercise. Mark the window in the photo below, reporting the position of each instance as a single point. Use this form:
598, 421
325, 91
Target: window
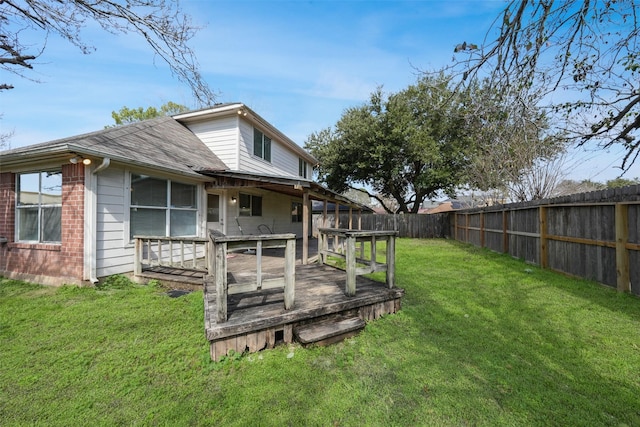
161, 207
302, 167
250, 205
296, 212
261, 145
39, 207
213, 208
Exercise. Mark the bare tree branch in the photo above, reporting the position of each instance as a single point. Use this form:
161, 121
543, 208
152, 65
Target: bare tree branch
585, 51
163, 25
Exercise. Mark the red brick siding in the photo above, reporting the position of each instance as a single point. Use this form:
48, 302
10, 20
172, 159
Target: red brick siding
7, 210
55, 264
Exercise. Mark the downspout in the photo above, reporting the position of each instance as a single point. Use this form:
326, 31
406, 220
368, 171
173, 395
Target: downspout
90, 220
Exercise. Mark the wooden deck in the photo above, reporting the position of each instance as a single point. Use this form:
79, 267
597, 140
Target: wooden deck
257, 320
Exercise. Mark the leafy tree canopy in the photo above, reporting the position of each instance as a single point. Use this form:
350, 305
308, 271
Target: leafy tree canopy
409, 145
584, 52
128, 115
163, 25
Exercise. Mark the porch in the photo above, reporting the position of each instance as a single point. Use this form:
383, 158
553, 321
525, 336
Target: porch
260, 295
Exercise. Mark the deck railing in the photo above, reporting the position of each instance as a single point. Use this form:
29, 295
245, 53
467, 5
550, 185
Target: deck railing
219, 246
344, 246
177, 252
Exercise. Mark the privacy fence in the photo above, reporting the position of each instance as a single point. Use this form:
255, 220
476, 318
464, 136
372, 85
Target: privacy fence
592, 235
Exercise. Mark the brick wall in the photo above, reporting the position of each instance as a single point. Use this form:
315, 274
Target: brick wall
46, 263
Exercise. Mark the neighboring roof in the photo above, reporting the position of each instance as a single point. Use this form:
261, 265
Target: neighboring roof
160, 143
246, 113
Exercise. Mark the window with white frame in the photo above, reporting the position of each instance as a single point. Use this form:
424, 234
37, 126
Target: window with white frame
302, 167
39, 207
261, 145
161, 207
296, 212
250, 205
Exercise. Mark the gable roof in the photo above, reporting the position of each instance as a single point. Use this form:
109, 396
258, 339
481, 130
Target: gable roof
160, 143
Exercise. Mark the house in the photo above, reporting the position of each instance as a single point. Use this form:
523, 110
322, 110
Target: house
70, 208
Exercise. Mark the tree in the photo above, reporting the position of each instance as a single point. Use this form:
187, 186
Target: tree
409, 146
161, 23
128, 115
516, 156
622, 182
586, 53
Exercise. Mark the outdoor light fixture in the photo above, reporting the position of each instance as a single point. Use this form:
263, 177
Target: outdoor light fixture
233, 199
242, 112
77, 159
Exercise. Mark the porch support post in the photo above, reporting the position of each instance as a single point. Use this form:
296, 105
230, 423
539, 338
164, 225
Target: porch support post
324, 213
305, 227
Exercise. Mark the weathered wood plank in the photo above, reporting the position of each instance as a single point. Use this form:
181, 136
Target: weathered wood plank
289, 274
220, 277
318, 293
622, 254
288, 333
328, 331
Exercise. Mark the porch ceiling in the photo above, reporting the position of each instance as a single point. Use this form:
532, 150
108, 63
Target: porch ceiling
279, 184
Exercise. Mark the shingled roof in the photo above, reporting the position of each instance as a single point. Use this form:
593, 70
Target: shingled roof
161, 143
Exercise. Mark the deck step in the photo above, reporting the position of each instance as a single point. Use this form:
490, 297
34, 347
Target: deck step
328, 331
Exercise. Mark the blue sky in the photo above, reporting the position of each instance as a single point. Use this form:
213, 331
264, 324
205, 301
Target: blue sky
299, 64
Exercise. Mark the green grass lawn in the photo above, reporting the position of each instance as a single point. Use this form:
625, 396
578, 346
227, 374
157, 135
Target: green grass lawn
482, 339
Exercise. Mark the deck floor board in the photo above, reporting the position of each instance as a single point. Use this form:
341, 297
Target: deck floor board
319, 292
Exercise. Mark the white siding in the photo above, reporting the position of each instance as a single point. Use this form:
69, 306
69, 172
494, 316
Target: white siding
284, 162
114, 254
276, 214
221, 136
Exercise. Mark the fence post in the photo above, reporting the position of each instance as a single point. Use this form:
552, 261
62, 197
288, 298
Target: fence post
542, 228
622, 255
505, 235
482, 229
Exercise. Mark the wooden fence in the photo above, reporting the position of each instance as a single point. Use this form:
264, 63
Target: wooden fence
592, 235
407, 225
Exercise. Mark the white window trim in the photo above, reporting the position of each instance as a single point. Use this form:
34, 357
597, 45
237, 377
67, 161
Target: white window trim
127, 205
17, 207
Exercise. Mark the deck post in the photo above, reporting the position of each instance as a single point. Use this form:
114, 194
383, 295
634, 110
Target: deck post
391, 261
351, 266
289, 273
210, 256
374, 253
221, 280
137, 261
259, 264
